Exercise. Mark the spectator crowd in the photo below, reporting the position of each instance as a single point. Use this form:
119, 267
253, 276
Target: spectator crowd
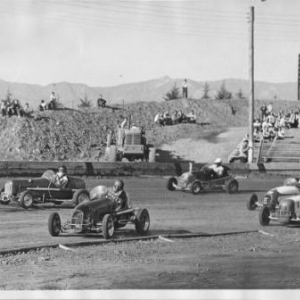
271, 125
13, 107
177, 117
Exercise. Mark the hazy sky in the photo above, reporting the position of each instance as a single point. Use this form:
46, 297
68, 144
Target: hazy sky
104, 43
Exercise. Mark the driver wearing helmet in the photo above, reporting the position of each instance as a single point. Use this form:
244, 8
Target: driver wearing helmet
217, 168
61, 178
118, 195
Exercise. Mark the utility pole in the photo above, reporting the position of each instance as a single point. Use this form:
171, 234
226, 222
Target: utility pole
299, 77
251, 82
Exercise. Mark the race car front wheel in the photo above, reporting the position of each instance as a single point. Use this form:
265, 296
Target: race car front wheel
108, 227
196, 188
170, 182
251, 202
54, 224
264, 216
232, 186
26, 199
142, 222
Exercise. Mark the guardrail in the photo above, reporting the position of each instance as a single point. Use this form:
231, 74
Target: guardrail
97, 169
105, 169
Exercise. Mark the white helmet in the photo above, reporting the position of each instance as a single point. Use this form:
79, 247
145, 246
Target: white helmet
218, 161
98, 192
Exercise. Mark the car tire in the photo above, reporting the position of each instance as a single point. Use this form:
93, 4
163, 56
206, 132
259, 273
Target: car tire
54, 224
196, 187
81, 196
232, 186
108, 227
170, 182
152, 155
142, 222
26, 199
112, 154
251, 202
264, 215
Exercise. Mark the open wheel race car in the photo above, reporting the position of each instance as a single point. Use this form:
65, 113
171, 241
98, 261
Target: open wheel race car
100, 216
41, 190
202, 180
287, 212
274, 196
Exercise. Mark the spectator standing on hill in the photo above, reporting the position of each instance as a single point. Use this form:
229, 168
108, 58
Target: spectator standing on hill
263, 110
185, 86
52, 103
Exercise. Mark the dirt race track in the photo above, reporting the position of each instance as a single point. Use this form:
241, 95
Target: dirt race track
267, 258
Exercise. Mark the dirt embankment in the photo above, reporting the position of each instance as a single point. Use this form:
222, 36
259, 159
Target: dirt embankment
81, 134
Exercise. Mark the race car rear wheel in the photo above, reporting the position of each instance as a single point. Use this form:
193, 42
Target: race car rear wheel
264, 215
108, 227
196, 187
81, 196
54, 224
142, 222
26, 199
170, 182
232, 186
251, 202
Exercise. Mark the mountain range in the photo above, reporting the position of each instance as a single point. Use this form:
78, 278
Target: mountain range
70, 94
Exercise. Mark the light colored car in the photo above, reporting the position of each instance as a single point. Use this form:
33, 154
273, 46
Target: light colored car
273, 196
287, 212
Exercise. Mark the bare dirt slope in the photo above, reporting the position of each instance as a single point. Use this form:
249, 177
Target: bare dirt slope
69, 134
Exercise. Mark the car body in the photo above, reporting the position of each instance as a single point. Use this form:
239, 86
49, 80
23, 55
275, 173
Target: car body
196, 182
100, 216
287, 212
40, 190
274, 196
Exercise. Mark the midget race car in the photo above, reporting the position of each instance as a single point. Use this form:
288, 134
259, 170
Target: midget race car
40, 190
100, 216
274, 196
195, 182
287, 212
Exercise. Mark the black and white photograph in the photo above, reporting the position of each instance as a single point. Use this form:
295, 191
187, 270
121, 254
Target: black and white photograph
150, 149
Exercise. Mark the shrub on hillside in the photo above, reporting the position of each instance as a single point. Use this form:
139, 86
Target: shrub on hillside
223, 93
206, 90
173, 94
85, 102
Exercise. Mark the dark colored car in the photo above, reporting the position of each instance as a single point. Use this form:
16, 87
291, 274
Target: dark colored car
40, 190
100, 216
202, 180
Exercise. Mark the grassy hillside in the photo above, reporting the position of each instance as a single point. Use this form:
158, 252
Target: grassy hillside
81, 134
